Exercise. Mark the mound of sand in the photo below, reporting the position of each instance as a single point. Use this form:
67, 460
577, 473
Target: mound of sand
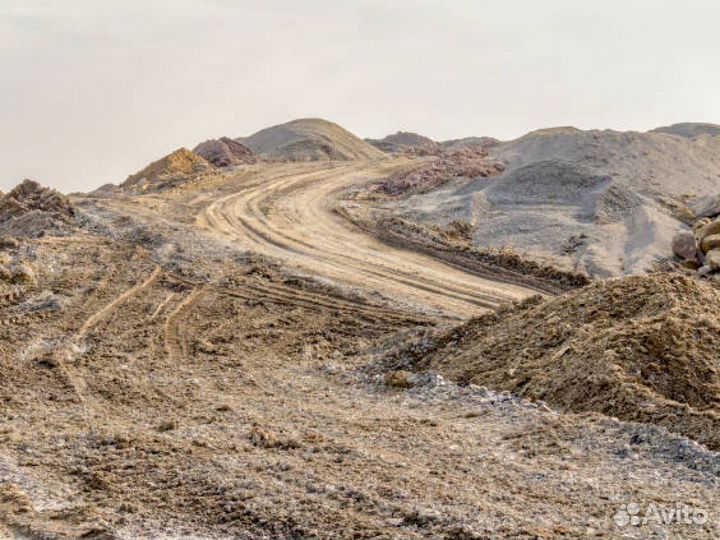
225, 152
32, 210
637, 348
310, 139
601, 202
404, 142
174, 169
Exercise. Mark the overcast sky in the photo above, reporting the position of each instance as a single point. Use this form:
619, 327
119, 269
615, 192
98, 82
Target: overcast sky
92, 90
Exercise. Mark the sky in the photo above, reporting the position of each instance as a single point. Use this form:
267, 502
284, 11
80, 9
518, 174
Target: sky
93, 90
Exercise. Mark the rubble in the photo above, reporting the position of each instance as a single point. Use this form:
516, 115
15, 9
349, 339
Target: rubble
225, 152
32, 210
468, 162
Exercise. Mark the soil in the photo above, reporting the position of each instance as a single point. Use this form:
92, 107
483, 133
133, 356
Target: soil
209, 360
640, 349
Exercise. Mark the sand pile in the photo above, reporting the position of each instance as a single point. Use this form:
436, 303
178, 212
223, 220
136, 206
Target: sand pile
404, 142
469, 162
638, 348
310, 139
32, 210
604, 203
225, 152
174, 169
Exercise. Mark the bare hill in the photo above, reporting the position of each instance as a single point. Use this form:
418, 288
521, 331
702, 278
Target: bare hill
310, 139
603, 202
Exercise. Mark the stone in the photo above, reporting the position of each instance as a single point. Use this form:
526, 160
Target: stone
690, 264
710, 242
684, 245
708, 230
712, 259
399, 379
22, 273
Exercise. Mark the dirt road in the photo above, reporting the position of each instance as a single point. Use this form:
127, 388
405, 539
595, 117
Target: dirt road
288, 211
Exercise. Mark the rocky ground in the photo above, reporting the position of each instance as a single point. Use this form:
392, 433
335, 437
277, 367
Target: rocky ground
241, 353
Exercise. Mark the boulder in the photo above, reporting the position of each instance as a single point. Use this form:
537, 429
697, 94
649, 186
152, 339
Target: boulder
710, 242
712, 259
707, 230
684, 245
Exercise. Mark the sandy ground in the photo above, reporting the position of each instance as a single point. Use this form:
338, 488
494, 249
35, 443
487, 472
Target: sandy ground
291, 217
204, 365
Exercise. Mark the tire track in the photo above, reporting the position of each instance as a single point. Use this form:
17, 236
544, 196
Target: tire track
292, 217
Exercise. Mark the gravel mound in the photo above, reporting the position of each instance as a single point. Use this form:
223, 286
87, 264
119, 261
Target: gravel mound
690, 130
174, 169
605, 203
638, 348
225, 152
482, 142
405, 142
309, 139
32, 210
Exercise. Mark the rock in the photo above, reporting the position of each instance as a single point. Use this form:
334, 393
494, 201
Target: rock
712, 259
684, 245
705, 206
398, 379
690, 264
8, 242
707, 230
710, 242
22, 273
704, 270
685, 215
5, 274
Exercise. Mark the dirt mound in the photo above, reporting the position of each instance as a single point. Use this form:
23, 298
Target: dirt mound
174, 169
605, 203
310, 139
404, 142
470, 162
33, 210
482, 142
690, 130
225, 152
638, 348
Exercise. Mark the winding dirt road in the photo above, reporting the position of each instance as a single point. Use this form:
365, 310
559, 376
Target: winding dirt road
287, 211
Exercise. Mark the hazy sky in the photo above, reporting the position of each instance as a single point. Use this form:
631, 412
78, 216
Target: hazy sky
92, 90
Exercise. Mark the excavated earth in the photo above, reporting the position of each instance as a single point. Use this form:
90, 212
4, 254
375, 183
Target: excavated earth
210, 360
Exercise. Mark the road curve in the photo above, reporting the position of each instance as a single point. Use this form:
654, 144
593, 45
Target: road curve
286, 211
